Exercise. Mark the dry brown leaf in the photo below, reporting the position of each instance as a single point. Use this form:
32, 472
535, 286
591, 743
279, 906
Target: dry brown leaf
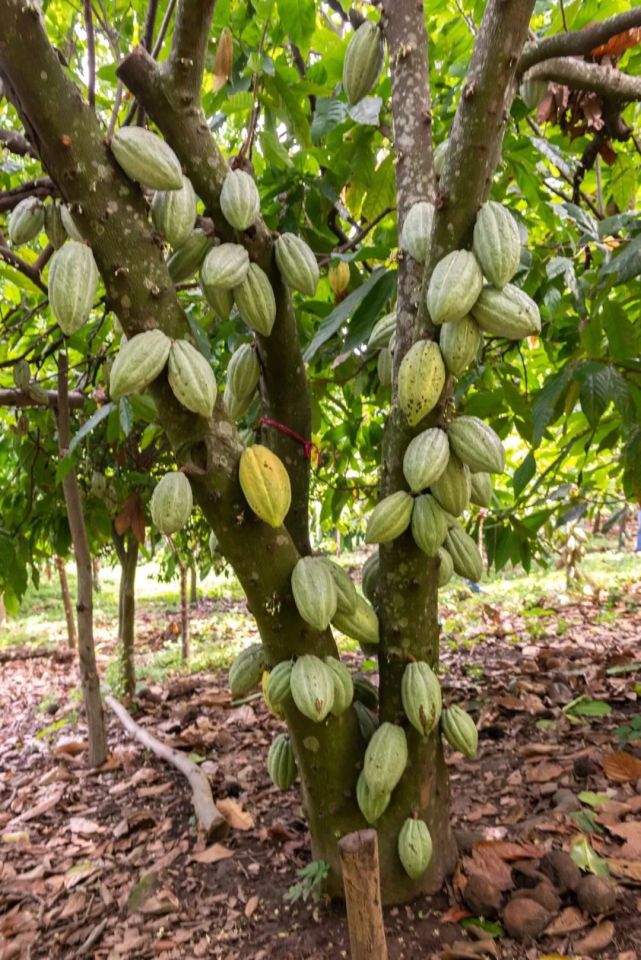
630, 869
213, 854
597, 939
251, 906
621, 767
617, 44
543, 773
568, 921
224, 60
236, 817
630, 831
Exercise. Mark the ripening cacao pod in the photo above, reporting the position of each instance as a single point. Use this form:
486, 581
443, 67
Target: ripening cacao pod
69, 224
507, 313
225, 266
532, 92
481, 489
390, 517
367, 721
255, 300
191, 378
281, 764
384, 367
346, 595
73, 281
454, 287
221, 301
454, 487
385, 759
171, 502
459, 730
363, 61
54, 227
414, 847
421, 378
297, 263
239, 200
360, 624
174, 213
464, 552
421, 696
186, 260
477, 445
279, 683
26, 221
459, 342
138, 363
382, 332
429, 524
264, 683
343, 686
21, 374
314, 592
440, 157
146, 158
212, 543
371, 806
265, 483
445, 567
365, 692
243, 373
338, 277
370, 575
246, 670
497, 243
417, 230
425, 458
312, 686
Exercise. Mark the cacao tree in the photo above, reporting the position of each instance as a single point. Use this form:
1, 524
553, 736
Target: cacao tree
254, 143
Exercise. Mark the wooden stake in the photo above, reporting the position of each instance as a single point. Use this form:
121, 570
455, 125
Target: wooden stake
362, 882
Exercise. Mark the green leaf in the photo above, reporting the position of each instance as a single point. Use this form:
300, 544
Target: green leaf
524, 473
381, 194
341, 314
544, 406
623, 181
585, 707
298, 19
593, 799
585, 858
90, 425
329, 113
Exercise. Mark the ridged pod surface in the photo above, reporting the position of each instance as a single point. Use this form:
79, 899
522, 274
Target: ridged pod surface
54, 227
146, 158
417, 230
235, 406
384, 367
454, 287
360, 624
225, 266
414, 847
371, 806
312, 686
73, 281
421, 696
385, 758
426, 458
221, 301
186, 260
255, 300
459, 730
481, 489
367, 721
343, 686
26, 221
365, 692
338, 277
297, 263
69, 224
174, 213
21, 374
429, 524
532, 92
191, 378
243, 372
464, 552
239, 200
421, 379
390, 517
440, 157
171, 502
459, 343
477, 445
507, 313
445, 567
453, 487
281, 764
346, 595
497, 243
212, 543
370, 573
246, 670
138, 363
382, 332
363, 61
265, 482
279, 683
314, 592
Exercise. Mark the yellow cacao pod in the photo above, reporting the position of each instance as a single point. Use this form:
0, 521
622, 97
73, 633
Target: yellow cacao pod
265, 483
421, 379
338, 276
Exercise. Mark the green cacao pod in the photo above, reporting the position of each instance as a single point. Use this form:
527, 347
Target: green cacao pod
279, 683
281, 764
363, 61
382, 332
477, 445
421, 379
454, 487
365, 692
464, 552
426, 458
255, 300
174, 213
445, 567
265, 483
454, 287
171, 502
297, 263
371, 806
312, 686
360, 624
213, 543
459, 730
225, 266
146, 158
221, 301
390, 517
243, 373
481, 489
68, 222
346, 595
370, 573
417, 230
367, 722
429, 524
73, 281
532, 92
236, 406
497, 243
459, 343
338, 276
239, 200
191, 378
343, 686
384, 367
21, 374
440, 157
138, 363
26, 221
421, 696
54, 227
186, 260
314, 592
414, 847
246, 670
385, 759
508, 313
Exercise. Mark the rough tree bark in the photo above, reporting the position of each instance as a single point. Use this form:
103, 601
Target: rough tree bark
66, 602
184, 611
193, 586
127, 548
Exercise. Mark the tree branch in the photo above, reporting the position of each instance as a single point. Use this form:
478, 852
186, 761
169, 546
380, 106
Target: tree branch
580, 42
22, 398
16, 143
43, 187
91, 55
606, 81
28, 270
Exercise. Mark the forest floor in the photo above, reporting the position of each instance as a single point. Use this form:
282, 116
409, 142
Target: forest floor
106, 863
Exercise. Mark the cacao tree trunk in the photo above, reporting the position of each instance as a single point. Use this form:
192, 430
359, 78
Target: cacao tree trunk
67, 604
193, 586
184, 612
127, 549
95, 568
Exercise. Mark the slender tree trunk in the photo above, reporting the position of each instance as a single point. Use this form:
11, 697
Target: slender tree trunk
95, 570
3, 610
86, 648
67, 604
184, 612
193, 586
127, 549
